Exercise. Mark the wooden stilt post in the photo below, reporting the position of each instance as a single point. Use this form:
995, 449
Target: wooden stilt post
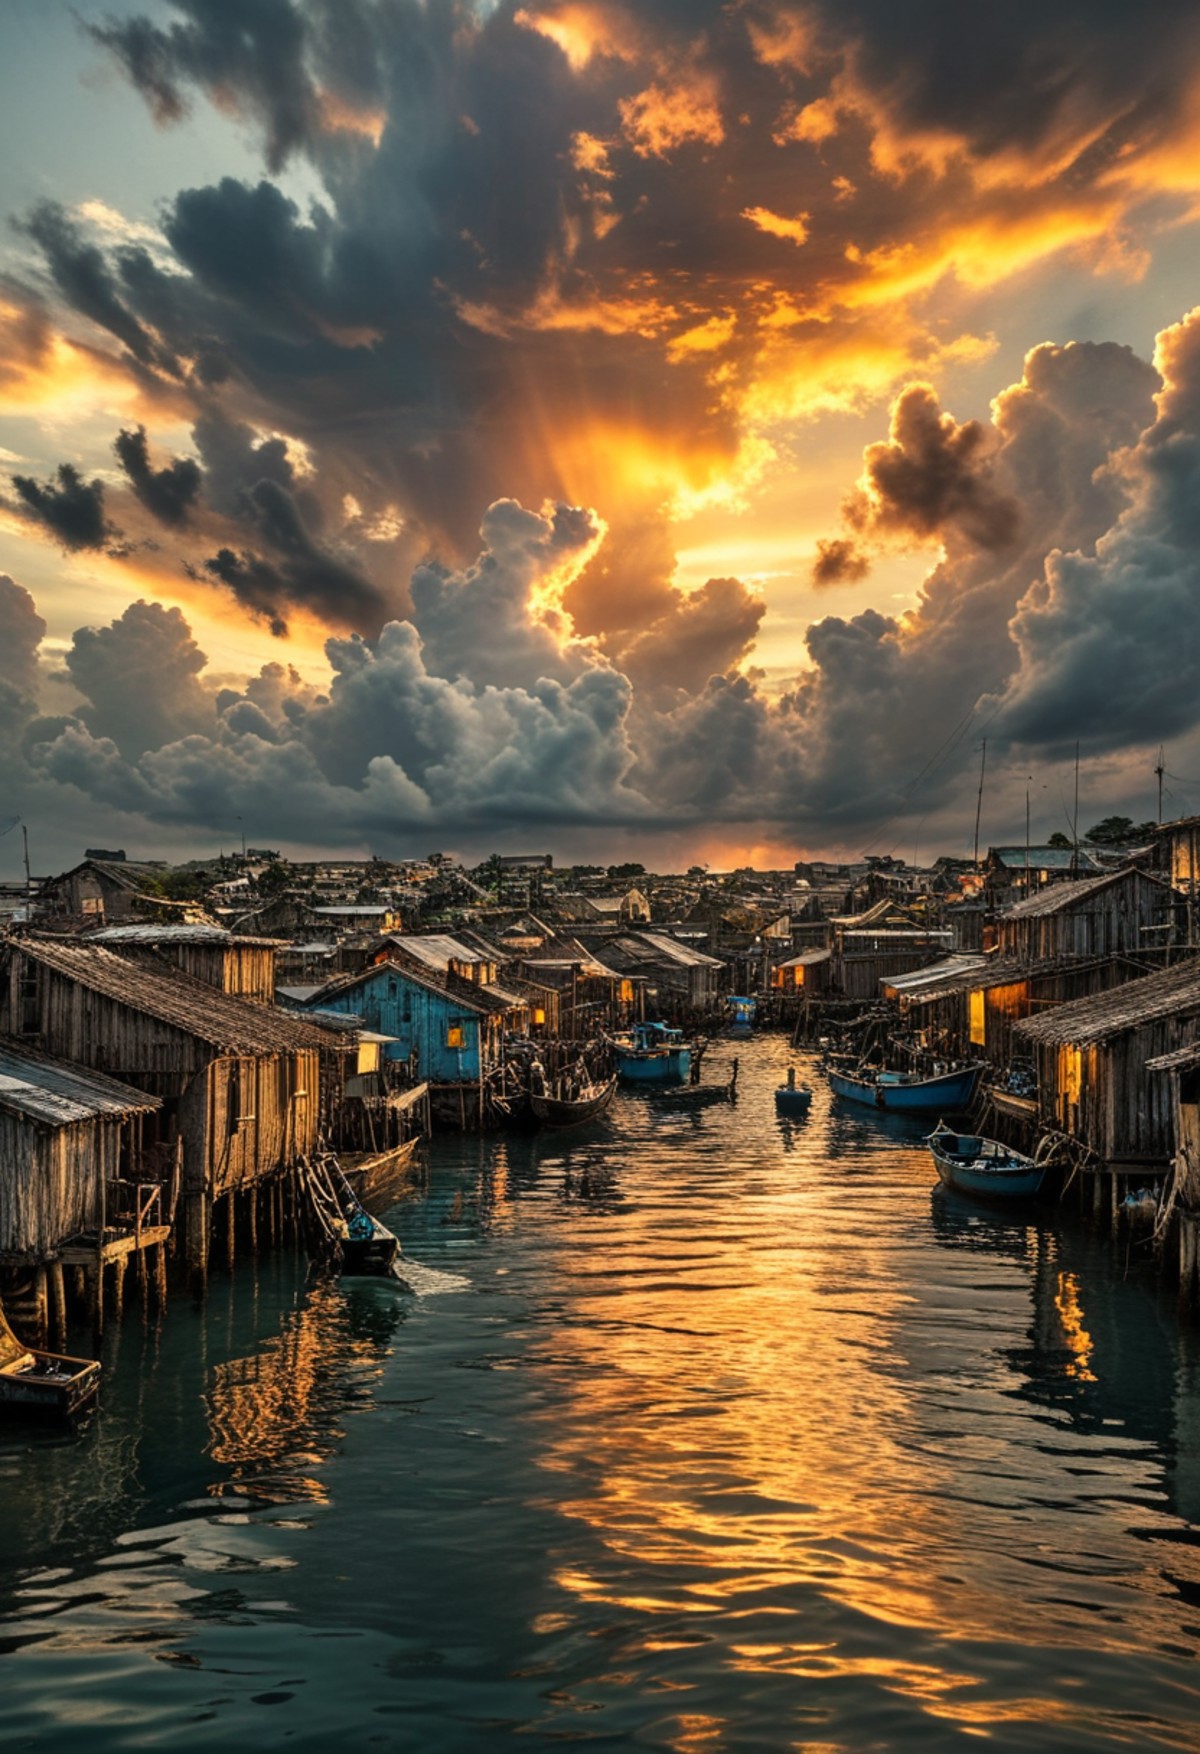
119, 1266
253, 1196
230, 1226
81, 1285
160, 1275
41, 1307
98, 1296
197, 1228
58, 1303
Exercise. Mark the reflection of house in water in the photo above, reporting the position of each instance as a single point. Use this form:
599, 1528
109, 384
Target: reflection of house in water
275, 1413
1110, 1354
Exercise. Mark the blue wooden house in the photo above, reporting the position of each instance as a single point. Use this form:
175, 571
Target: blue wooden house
456, 1034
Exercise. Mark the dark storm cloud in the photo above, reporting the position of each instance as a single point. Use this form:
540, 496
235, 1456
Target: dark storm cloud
930, 473
253, 47
1012, 75
839, 562
84, 276
70, 508
169, 493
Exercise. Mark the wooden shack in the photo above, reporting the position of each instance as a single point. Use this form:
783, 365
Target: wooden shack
224, 960
862, 957
1126, 912
100, 892
70, 1140
1091, 1063
240, 1082
971, 1014
685, 981
1180, 1072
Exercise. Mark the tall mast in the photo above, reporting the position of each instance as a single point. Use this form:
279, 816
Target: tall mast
1075, 820
1160, 770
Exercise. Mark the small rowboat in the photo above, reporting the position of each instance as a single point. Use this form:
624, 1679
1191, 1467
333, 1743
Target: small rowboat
984, 1167
560, 1111
908, 1092
33, 1382
652, 1053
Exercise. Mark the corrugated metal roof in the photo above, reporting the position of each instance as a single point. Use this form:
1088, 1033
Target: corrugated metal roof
950, 971
1045, 858
57, 1094
1107, 1014
436, 949
673, 951
160, 935
1061, 896
227, 1023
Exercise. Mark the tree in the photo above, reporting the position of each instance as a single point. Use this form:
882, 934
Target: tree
627, 870
1119, 831
1059, 839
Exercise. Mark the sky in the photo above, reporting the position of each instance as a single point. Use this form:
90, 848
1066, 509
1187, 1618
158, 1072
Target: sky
620, 428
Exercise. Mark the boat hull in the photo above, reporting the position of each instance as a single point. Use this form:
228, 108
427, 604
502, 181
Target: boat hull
55, 1386
551, 1111
990, 1184
986, 1169
664, 1066
375, 1176
793, 1101
943, 1094
370, 1258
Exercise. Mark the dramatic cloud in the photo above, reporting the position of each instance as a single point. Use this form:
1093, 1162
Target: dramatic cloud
70, 508
168, 493
931, 473
613, 255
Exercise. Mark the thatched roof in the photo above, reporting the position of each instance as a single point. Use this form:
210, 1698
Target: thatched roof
1082, 1021
231, 1025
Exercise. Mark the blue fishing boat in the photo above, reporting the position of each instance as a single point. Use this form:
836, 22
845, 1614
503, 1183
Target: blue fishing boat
652, 1053
792, 1098
741, 1016
984, 1167
908, 1092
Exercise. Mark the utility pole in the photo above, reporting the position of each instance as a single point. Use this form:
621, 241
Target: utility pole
1027, 836
979, 802
1075, 820
1160, 770
28, 878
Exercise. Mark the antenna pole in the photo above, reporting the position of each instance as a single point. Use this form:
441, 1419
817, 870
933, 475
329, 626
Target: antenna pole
1160, 770
979, 802
28, 878
1075, 820
1027, 837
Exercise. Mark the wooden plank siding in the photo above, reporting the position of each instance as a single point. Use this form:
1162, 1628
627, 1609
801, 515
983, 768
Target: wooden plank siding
51, 1183
1125, 913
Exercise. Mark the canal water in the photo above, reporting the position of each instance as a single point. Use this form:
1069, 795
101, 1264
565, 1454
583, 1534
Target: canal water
721, 1433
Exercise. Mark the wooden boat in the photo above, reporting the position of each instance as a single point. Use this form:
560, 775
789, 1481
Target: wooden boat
985, 1167
557, 1111
360, 1244
908, 1092
652, 1053
368, 1248
35, 1382
698, 1095
374, 1175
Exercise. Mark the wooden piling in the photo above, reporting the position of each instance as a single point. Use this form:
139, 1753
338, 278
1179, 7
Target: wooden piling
58, 1305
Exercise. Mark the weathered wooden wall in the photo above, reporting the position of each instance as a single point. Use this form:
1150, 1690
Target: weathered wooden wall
242, 1119
51, 1182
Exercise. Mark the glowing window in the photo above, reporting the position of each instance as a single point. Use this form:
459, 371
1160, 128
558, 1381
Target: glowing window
454, 1035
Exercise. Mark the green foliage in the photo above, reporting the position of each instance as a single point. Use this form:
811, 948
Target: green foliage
1119, 831
627, 871
1059, 839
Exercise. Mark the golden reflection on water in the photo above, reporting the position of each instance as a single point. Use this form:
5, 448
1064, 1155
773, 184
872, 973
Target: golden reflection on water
742, 1434
274, 1415
1068, 1302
